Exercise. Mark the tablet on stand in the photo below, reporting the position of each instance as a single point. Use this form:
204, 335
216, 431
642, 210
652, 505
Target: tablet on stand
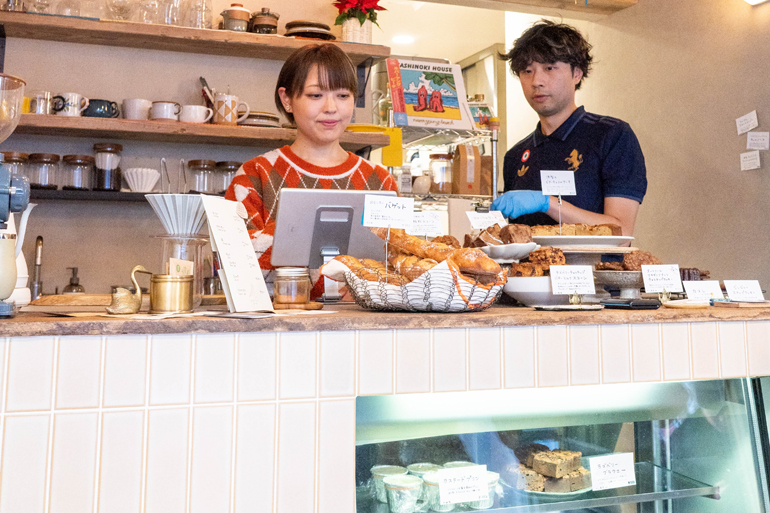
315, 225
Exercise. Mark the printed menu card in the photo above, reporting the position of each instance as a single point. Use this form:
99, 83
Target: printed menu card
240, 273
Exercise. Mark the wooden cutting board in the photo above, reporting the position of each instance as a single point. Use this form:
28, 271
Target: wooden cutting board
741, 304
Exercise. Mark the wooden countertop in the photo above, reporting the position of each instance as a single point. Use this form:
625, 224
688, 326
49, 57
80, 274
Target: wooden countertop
351, 317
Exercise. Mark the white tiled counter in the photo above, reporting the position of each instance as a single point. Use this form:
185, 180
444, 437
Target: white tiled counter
264, 421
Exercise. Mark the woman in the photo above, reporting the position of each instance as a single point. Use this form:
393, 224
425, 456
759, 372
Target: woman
316, 90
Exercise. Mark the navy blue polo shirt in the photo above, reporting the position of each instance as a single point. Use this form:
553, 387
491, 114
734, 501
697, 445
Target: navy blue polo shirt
602, 151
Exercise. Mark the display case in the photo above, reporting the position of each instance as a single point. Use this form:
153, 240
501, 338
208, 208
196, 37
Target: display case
695, 446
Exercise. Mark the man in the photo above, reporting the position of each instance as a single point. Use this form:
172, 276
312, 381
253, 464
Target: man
551, 61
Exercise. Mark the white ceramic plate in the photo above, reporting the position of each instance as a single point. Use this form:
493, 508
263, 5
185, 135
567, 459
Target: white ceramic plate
558, 308
507, 253
581, 240
553, 494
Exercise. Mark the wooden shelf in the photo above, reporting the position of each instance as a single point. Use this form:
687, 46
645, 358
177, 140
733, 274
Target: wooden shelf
47, 194
574, 7
176, 132
169, 38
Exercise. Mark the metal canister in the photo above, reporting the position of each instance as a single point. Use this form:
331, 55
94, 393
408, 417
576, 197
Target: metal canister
171, 294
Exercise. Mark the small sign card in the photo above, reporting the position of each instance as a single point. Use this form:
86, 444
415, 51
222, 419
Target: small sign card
463, 484
388, 211
240, 273
427, 224
758, 141
612, 471
177, 267
744, 290
658, 278
747, 122
568, 279
558, 183
481, 220
750, 160
705, 289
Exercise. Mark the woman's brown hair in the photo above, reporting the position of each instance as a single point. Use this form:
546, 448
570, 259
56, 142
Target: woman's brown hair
335, 71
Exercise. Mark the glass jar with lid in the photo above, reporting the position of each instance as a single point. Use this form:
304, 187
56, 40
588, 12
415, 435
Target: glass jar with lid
16, 162
292, 286
76, 172
225, 172
41, 169
441, 169
203, 176
265, 22
107, 175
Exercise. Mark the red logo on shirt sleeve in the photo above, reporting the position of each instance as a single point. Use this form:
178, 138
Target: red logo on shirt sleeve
525, 156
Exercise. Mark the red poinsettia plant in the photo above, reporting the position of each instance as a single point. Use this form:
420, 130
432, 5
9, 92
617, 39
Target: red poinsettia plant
361, 10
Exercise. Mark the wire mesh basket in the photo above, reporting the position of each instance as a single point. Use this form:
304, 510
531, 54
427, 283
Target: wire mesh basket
441, 289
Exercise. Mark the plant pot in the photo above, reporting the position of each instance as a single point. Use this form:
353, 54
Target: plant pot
354, 32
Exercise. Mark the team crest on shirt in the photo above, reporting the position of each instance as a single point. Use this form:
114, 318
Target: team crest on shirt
523, 170
525, 157
574, 160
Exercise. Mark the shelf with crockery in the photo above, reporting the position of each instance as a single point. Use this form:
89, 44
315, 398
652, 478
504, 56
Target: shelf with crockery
177, 132
168, 38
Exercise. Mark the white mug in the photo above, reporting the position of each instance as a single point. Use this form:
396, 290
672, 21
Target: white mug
165, 110
69, 104
226, 108
195, 114
136, 108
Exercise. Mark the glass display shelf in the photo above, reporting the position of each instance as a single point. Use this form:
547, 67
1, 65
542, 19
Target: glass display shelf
418, 136
653, 483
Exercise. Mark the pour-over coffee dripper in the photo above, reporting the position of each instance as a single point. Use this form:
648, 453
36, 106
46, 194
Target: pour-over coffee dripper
14, 192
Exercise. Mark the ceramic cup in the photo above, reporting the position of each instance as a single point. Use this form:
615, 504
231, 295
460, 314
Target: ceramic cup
136, 108
165, 111
40, 102
69, 104
102, 109
195, 114
226, 108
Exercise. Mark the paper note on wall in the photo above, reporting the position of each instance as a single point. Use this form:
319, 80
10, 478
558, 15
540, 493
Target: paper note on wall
747, 122
750, 160
758, 141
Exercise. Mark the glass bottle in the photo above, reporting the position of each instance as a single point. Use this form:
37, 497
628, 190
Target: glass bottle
199, 14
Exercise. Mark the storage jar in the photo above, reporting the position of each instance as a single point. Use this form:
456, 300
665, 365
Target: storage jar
441, 169
107, 176
15, 162
203, 176
236, 18
76, 172
292, 286
225, 172
265, 22
41, 168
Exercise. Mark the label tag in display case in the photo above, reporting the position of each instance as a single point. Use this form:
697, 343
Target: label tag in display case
569, 279
388, 211
482, 220
744, 290
705, 289
463, 484
558, 183
612, 471
659, 278
426, 224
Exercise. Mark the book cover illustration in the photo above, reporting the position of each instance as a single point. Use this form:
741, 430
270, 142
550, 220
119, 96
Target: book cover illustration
481, 114
428, 94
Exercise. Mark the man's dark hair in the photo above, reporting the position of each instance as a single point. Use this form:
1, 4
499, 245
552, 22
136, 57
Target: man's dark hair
548, 42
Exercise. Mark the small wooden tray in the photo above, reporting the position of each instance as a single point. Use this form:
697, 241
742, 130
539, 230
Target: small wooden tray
307, 306
742, 304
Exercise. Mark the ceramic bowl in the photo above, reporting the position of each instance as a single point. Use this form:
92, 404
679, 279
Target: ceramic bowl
535, 290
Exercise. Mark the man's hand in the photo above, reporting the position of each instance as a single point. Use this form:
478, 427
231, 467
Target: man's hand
517, 203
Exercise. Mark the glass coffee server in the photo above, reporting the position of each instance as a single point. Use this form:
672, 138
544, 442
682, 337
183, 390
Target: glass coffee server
696, 447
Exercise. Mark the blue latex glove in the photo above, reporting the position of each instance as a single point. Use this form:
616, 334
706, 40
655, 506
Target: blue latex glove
517, 203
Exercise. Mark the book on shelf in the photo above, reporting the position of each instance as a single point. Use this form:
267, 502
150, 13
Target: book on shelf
428, 94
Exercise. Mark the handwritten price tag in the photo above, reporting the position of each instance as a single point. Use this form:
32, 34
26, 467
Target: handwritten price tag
660, 277
558, 183
481, 220
703, 289
427, 224
464, 484
744, 290
388, 211
612, 471
568, 279
747, 122
177, 267
758, 141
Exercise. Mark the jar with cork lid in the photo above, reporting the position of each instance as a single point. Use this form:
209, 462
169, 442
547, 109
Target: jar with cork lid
107, 176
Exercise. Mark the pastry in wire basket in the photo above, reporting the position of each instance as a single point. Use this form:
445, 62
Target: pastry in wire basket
420, 276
